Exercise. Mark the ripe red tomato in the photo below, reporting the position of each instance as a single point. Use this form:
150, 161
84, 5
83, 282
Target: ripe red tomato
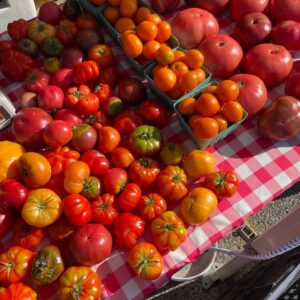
242, 8
88, 104
51, 97
121, 157
103, 91
108, 139
97, 120
127, 121
36, 80
151, 205
109, 76
115, 180
102, 54
292, 87
85, 71
68, 115
74, 93
129, 197
98, 162
66, 32
283, 10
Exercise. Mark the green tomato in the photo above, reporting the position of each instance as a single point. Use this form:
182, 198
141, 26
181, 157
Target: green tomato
51, 46
146, 140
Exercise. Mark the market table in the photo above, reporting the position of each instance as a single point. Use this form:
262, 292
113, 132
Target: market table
265, 169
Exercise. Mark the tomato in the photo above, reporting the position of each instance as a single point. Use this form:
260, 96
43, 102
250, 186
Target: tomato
284, 10
86, 21
47, 266
52, 47
50, 13
227, 90
112, 106
164, 79
27, 236
74, 93
102, 54
51, 98
207, 105
129, 197
71, 9
35, 169
17, 29
127, 121
292, 87
52, 65
75, 174
104, 209
77, 209
66, 32
91, 187
7, 45
18, 291
272, 63
146, 261
171, 154
103, 92
132, 90
85, 71
60, 158
146, 140
62, 78
97, 120
240, 9
115, 180
14, 264
196, 207
127, 229
84, 137
79, 283
132, 45
151, 205
109, 76
150, 49
42, 208
121, 157
171, 183
88, 104
36, 80
38, 31
72, 56
223, 183
60, 230
144, 172
108, 139
68, 115
91, 244
98, 163
168, 231
232, 111
164, 31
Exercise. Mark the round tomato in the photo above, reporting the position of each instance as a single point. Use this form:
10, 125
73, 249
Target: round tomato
18, 291
108, 139
171, 154
151, 205
129, 197
127, 121
121, 158
102, 54
91, 187
115, 180
88, 104
98, 162
60, 230
103, 91
66, 32
84, 137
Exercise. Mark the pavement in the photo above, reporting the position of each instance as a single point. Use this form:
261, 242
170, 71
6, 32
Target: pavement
266, 217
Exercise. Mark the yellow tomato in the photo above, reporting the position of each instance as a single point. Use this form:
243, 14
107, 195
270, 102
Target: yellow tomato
42, 208
171, 154
9, 154
198, 163
197, 206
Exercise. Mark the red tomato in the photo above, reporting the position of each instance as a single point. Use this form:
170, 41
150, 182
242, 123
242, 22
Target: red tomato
292, 87
127, 121
97, 120
242, 8
68, 115
109, 76
50, 13
51, 97
77, 209
104, 209
6, 221
74, 93
98, 163
62, 78
283, 10
115, 180
108, 139
60, 230
85, 71
129, 197
215, 7
36, 80
18, 291
151, 205
84, 137
66, 32
103, 91
88, 104
101, 54
121, 158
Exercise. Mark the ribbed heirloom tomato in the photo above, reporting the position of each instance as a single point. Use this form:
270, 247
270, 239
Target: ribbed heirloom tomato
74, 93
18, 291
129, 197
151, 205
85, 71
102, 54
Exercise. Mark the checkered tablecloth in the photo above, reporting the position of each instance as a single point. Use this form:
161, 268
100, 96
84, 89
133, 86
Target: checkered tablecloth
265, 169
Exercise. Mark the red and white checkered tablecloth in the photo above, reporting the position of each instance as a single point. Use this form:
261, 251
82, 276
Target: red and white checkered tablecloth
265, 169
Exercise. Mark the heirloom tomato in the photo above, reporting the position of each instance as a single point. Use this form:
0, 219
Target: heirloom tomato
36, 80
121, 157
47, 266
91, 187
28, 47
88, 104
86, 21
103, 91
108, 139
127, 121
146, 140
132, 90
144, 172
52, 64
104, 209
50, 12
115, 180
60, 230
101, 54
52, 47
71, 9
71, 57
171, 183
79, 283
112, 106
25, 235
62, 78
223, 183
42, 208
51, 98
84, 137
85, 71
171, 154
6, 220
151, 205
35, 169
12, 193
60, 158
56, 184
129, 197
91, 244
97, 120
127, 229
6, 45
18, 29
146, 261
109, 76
98, 162
14, 264
38, 31
74, 93
18, 291
168, 231
77, 209
68, 115
292, 87
66, 32
75, 174
196, 207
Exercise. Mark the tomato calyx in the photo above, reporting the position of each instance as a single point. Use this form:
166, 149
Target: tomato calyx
176, 179
76, 290
169, 227
145, 136
40, 27
78, 94
8, 266
146, 162
100, 51
103, 206
87, 183
220, 180
149, 201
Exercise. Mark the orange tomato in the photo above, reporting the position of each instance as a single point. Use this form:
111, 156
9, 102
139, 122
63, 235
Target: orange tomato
146, 31
179, 68
232, 111
150, 49
141, 14
112, 14
222, 122
98, 2
164, 31
227, 90
198, 163
164, 79
124, 24
175, 93
114, 2
128, 8
207, 105
201, 75
132, 45
179, 55
165, 55
193, 120
158, 67
194, 59
197, 206
210, 89
206, 128
153, 18
187, 106
35, 169
188, 81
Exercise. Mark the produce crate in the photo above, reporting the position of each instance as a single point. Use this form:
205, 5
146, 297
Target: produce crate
89, 7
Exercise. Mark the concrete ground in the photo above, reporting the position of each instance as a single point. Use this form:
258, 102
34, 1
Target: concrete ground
266, 217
